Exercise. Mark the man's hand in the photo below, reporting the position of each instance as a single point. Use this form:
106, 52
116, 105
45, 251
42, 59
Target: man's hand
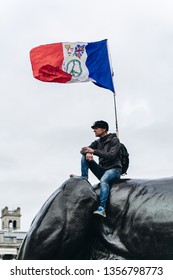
87, 150
89, 156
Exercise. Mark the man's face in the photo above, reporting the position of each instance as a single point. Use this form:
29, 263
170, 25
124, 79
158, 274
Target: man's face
99, 132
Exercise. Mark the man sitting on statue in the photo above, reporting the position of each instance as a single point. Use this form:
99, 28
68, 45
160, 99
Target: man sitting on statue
108, 169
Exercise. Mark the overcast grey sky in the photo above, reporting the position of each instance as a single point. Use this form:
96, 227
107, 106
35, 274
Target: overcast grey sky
44, 125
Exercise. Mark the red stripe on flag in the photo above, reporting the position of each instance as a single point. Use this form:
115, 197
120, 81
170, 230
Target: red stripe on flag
46, 61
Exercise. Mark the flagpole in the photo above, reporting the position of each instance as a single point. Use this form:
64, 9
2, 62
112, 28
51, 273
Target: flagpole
116, 118
114, 93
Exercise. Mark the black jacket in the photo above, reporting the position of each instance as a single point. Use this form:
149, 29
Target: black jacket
107, 148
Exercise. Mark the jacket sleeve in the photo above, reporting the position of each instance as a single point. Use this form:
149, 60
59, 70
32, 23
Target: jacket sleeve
112, 153
93, 146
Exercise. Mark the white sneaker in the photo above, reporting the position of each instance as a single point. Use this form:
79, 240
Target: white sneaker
100, 211
76, 176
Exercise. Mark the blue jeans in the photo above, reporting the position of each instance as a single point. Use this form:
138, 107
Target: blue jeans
105, 177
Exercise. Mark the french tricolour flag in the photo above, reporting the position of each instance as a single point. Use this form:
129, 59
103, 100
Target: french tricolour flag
73, 62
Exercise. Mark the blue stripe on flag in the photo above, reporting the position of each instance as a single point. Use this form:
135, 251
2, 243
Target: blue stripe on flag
98, 64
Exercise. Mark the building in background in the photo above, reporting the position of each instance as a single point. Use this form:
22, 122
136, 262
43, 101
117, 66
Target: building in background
10, 235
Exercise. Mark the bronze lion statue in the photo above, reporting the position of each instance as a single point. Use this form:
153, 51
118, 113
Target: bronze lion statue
139, 223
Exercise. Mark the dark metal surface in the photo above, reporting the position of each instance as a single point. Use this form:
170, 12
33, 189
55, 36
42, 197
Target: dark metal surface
139, 223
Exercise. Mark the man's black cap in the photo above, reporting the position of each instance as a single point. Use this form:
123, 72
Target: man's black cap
100, 124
